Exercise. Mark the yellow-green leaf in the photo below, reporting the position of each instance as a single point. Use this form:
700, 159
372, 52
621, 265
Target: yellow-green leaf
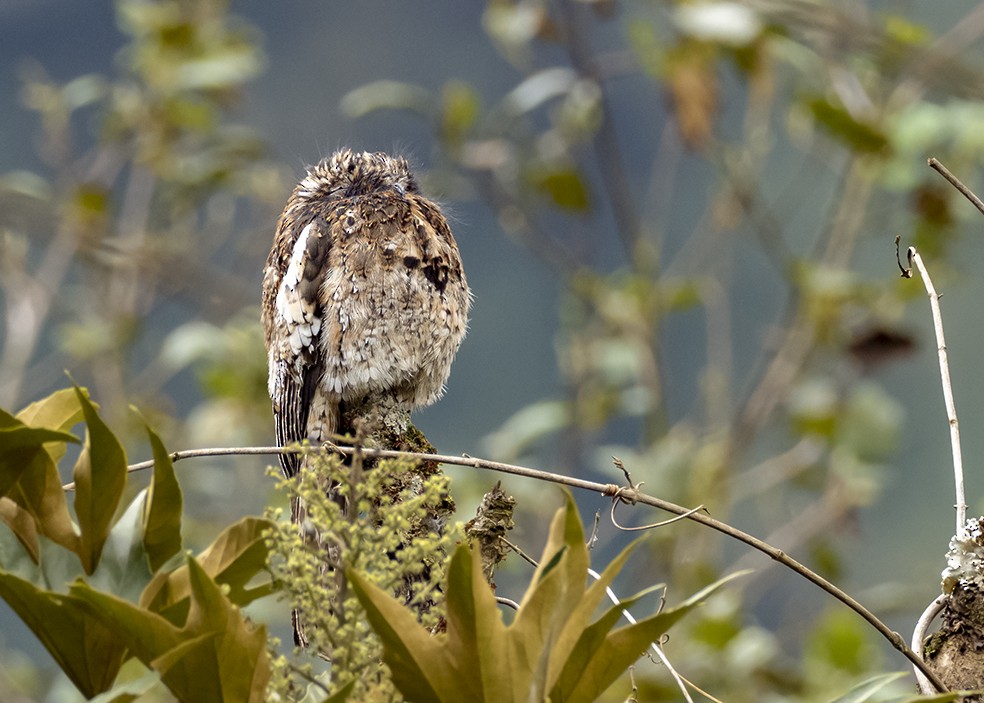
162, 517
100, 477
233, 559
215, 656
625, 645
23, 526
563, 186
88, 653
19, 445
30, 478
422, 669
59, 411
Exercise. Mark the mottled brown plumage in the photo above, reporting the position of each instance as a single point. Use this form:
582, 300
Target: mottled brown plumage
364, 301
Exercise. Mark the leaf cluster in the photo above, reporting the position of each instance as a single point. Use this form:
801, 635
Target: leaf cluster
552, 650
104, 583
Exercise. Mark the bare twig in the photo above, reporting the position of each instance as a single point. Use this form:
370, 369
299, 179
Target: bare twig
919, 636
915, 259
653, 525
955, 182
606, 489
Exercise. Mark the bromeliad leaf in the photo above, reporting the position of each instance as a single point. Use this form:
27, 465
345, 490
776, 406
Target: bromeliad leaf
551, 651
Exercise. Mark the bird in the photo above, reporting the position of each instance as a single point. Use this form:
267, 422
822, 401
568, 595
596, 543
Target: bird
364, 303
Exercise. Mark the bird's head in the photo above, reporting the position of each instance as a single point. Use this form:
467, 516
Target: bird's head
348, 173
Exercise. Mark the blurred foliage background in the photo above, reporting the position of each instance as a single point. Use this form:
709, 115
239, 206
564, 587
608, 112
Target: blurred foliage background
677, 219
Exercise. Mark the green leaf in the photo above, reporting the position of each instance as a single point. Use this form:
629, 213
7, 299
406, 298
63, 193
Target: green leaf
19, 445
23, 525
572, 650
549, 652
342, 694
162, 518
215, 656
423, 669
866, 689
459, 110
59, 411
126, 691
558, 586
88, 653
35, 502
563, 186
475, 632
100, 477
233, 559
37, 491
124, 569
839, 123
625, 645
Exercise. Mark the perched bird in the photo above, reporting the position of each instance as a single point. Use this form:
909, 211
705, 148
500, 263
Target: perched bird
365, 300
364, 306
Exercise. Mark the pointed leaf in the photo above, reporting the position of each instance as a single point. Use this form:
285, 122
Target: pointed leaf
558, 586
215, 656
422, 669
866, 689
162, 520
625, 645
591, 640
29, 477
100, 477
124, 570
233, 559
59, 411
88, 653
18, 446
475, 639
562, 654
24, 527
342, 694
39, 493
126, 691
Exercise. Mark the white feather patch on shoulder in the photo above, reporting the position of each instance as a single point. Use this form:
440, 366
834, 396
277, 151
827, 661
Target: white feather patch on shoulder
300, 316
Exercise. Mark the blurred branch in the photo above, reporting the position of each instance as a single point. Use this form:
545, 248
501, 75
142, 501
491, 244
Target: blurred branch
799, 336
626, 494
607, 152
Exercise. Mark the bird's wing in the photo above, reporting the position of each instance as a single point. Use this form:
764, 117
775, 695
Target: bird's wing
296, 316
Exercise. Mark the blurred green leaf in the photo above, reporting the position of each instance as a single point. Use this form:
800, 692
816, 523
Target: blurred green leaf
162, 516
459, 110
839, 642
865, 690
860, 136
100, 477
387, 95
562, 185
88, 653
